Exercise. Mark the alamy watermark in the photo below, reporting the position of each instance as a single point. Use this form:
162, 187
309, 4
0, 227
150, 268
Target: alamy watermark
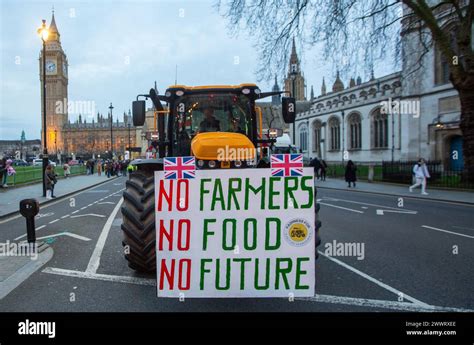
19, 249
75, 107
401, 107
228, 153
335, 248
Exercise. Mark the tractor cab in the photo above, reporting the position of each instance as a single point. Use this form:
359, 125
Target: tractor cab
219, 124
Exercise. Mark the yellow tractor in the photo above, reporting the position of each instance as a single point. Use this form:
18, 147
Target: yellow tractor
211, 123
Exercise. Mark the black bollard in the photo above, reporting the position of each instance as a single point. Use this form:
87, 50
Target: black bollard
29, 208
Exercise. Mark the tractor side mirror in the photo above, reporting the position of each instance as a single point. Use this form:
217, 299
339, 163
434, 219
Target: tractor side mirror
138, 113
288, 108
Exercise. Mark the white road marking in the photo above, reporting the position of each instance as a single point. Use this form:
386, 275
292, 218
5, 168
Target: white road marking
362, 302
449, 232
375, 303
98, 276
106, 202
94, 261
79, 237
88, 214
53, 221
343, 208
67, 215
75, 211
90, 190
373, 280
381, 212
364, 207
367, 204
82, 208
90, 205
38, 228
461, 227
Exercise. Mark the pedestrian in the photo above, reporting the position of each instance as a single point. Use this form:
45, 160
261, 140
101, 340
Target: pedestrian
53, 177
67, 170
48, 181
99, 168
350, 174
92, 167
3, 170
324, 166
264, 161
9, 171
316, 164
420, 174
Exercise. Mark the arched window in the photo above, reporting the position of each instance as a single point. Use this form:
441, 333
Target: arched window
304, 139
335, 133
317, 125
379, 129
355, 133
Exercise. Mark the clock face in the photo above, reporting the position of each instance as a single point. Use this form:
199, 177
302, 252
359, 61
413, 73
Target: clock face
50, 66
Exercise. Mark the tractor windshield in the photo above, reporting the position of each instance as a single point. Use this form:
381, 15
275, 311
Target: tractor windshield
210, 112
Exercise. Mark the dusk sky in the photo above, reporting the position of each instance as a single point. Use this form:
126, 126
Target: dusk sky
117, 49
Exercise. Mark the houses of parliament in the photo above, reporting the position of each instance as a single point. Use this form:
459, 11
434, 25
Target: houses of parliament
79, 138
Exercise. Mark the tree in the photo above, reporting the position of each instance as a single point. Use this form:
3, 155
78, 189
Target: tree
365, 30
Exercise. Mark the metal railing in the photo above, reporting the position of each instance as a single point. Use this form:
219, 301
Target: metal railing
402, 172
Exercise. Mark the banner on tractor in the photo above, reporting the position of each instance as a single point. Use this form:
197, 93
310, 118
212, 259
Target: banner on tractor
235, 233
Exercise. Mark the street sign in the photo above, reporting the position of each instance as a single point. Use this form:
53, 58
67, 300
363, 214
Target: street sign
235, 233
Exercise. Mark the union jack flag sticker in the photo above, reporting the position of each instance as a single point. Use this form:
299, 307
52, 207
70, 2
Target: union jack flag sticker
179, 168
287, 165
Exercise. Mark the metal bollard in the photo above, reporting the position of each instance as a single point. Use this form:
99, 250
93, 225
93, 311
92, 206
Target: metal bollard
29, 208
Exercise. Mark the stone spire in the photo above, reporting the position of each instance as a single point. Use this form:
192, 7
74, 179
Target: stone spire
53, 30
312, 93
276, 100
352, 82
323, 88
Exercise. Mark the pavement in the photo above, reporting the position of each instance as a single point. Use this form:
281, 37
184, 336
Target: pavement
399, 190
10, 197
417, 257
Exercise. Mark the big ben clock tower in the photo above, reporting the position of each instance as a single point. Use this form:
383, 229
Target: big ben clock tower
56, 90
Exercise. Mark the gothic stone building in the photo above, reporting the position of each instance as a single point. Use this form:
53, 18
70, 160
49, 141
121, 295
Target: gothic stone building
353, 121
81, 138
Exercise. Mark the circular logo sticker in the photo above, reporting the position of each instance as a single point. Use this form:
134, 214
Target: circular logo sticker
298, 232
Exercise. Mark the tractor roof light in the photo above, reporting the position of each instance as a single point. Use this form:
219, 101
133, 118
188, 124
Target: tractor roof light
212, 164
245, 91
238, 164
200, 163
179, 93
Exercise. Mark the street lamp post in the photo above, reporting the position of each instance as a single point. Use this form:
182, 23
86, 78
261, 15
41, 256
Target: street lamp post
111, 134
343, 137
393, 134
43, 32
129, 144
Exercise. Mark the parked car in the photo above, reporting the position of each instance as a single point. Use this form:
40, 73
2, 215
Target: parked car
39, 162
20, 163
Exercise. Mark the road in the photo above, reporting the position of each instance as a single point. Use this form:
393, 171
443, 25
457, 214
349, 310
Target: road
415, 258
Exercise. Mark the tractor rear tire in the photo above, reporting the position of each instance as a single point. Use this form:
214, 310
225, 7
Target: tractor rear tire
138, 225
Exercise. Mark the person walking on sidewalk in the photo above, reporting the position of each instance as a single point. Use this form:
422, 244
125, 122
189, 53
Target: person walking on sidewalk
3, 170
316, 164
350, 174
323, 170
53, 177
99, 167
49, 182
420, 173
67, 170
